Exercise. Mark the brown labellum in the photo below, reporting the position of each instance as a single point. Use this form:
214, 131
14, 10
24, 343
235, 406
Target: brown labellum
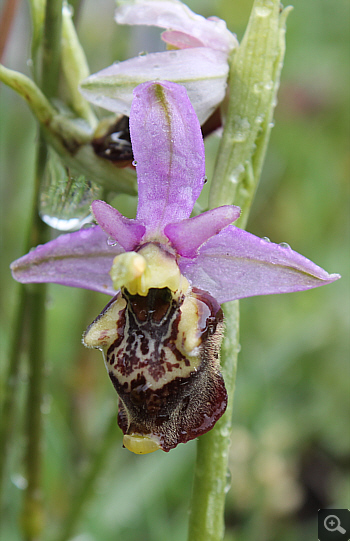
162, 355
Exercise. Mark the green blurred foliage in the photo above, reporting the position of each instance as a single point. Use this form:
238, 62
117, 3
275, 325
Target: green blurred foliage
290, 446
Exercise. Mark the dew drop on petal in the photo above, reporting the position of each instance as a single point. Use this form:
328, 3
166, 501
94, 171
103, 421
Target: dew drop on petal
111, 241
285, 245
266, 239
134, 163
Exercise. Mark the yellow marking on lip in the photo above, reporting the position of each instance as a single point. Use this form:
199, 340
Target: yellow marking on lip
140, 445
103, 331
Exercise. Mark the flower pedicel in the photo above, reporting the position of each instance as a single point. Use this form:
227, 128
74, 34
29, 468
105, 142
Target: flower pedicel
168, 274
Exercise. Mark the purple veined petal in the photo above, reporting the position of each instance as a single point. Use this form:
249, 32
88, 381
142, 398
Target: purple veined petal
237, 264
202, 71
128, 233
81, 259
169, 151
188, 235
174, 15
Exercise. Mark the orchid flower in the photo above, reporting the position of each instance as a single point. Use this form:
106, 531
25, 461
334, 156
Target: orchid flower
199, 63
168, 273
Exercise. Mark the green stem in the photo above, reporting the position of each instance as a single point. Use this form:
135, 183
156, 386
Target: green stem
85, 489
211, 471
51, 60
254, 80
33, 514
11, 391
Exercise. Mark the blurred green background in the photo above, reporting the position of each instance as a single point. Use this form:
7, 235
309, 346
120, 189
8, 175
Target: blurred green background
290, 451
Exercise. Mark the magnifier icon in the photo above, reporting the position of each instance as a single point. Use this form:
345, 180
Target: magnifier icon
332, 524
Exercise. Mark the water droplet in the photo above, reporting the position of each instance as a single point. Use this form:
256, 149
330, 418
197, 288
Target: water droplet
205, 180
271, 124
88, 225
242, 127
111, 241
262, 11
236, 174
258, 87
29, 62
228, 481
65, 195
134, 163
45, 407
268, 85
67, 10
19, 481
266, 239
285, 245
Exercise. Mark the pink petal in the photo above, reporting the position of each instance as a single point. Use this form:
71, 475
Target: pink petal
236, 264
168, 148
175, 15
188, 235
128, 233
81, 259
180, 40
202, 71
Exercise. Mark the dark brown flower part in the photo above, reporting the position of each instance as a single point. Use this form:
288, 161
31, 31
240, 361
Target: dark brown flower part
112, 141
162, 355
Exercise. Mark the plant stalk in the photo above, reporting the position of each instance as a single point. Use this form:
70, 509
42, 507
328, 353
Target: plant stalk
254, 80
